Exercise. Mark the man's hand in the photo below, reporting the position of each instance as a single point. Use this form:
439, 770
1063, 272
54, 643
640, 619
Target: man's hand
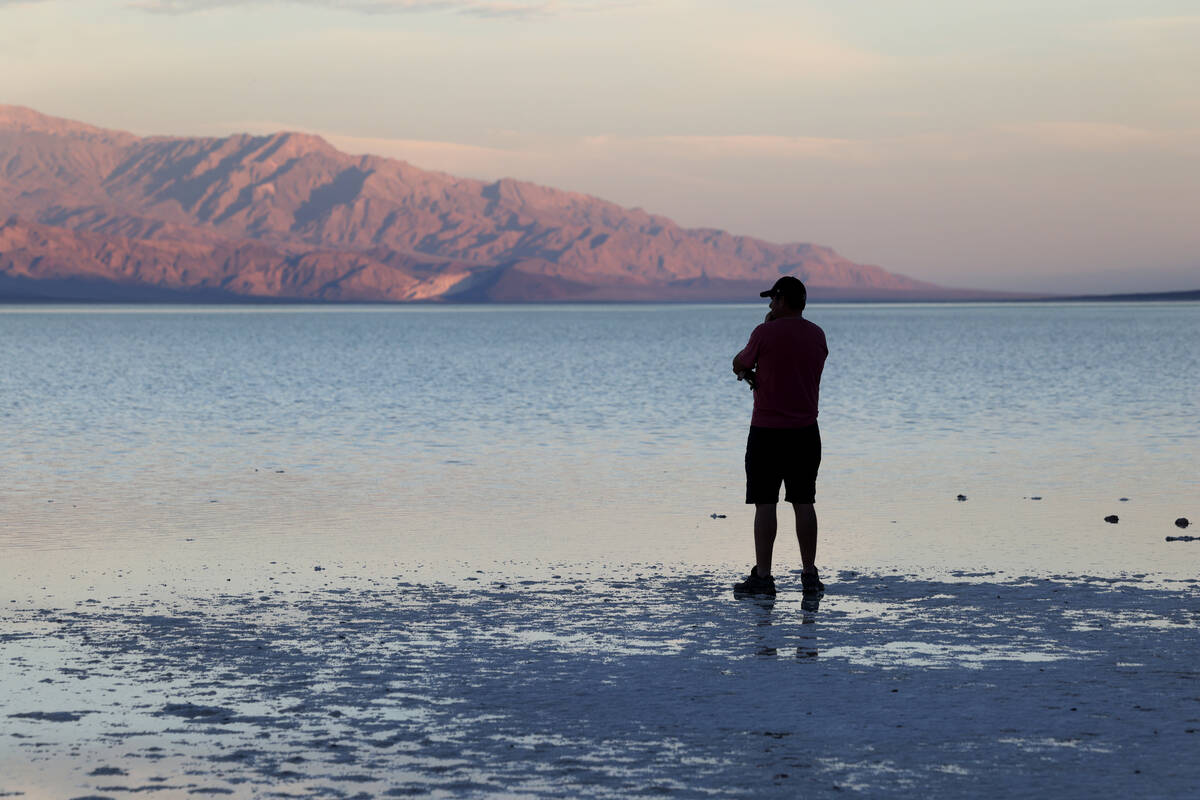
744, 372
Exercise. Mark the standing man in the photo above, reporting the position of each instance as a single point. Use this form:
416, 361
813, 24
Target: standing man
783, 363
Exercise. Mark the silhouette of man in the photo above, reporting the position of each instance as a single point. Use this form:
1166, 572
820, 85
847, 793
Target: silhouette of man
783, 362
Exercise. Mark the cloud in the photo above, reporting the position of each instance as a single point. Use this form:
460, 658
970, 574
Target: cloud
476, 8
532, 156
453, 157
762, 146
1093, 137
990, 143
765, 54
536, 158
596, 163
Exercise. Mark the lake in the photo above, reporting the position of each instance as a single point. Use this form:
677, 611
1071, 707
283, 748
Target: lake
487, 551
568, 433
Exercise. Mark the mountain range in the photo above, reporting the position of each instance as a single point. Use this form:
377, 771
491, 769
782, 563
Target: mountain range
94, 214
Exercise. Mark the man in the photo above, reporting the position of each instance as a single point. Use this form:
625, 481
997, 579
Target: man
783, 363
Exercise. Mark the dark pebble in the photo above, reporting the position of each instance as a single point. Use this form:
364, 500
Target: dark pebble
1113, 518
1182, 522
962, 498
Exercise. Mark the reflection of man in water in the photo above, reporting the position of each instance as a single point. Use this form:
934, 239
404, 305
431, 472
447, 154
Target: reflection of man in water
783, 363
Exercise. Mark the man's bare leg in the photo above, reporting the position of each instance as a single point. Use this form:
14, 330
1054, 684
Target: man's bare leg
806, 534
765, 527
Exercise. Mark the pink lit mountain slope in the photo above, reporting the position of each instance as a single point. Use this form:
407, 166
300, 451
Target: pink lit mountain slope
89, 213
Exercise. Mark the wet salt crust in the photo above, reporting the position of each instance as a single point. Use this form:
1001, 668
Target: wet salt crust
596, 682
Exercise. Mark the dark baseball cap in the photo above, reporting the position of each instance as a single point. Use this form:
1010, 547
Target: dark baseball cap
791, 289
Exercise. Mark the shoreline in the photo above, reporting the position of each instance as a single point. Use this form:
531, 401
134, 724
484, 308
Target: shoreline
605, 686
836, 297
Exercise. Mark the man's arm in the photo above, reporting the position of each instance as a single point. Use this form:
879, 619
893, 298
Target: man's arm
743, 372
747, 358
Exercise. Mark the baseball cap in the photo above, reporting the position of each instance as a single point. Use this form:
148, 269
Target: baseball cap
792, 289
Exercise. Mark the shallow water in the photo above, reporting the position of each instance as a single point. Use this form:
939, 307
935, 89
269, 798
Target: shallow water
362, 552
578, 681
471, 434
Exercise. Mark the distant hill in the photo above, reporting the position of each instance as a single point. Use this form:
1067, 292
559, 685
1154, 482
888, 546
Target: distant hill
89, 213
1141, 297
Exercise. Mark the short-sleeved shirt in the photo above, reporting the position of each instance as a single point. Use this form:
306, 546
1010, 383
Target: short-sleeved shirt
788, 355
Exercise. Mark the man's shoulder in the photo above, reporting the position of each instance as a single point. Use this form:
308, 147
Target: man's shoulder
760, 330
801, 323
809, 332
811, 326
806, 321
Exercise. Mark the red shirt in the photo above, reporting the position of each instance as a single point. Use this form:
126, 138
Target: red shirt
788, 356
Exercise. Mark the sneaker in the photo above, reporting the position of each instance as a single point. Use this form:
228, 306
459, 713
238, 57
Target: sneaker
755, 585
811, 581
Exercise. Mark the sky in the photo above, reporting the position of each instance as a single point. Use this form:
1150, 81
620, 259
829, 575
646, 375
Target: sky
1002, 144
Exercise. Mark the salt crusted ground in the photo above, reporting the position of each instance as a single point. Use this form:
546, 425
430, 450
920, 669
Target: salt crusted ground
600, 682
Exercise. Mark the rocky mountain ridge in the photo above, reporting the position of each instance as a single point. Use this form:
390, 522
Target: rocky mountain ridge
88, 210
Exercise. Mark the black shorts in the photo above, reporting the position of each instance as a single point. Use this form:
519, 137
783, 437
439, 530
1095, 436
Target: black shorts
790, 456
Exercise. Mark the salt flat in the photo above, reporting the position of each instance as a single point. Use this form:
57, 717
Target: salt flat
481, 625
588, 680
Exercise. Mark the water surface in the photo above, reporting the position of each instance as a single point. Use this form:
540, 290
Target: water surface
463, 552
474, 434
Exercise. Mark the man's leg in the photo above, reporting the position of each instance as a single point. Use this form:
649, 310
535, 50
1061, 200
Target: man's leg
806, 533
765, 527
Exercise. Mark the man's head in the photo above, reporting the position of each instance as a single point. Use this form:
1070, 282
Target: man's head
788, 290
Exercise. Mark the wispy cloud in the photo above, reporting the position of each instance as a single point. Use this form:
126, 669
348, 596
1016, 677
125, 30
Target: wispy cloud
1046, 139
531, 156
763, 146
476, 8
453, 157
1093, 137
787, 55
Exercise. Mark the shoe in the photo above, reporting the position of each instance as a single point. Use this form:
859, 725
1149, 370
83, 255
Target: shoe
811, 581
755, 585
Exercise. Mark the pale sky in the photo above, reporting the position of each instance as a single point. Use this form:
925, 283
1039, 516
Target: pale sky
1006, 144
